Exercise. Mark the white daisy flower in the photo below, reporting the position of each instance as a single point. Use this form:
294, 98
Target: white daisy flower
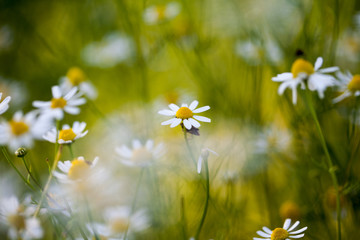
67, 134
4, 104
75, 170
23, 129
284, 233
204, 156
185, 115
120, 219
18, 217
140, 155
349, 85
156, 14
302, 70
75, 77
60, 103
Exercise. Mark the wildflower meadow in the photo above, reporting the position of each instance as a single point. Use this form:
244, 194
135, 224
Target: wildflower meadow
180, 119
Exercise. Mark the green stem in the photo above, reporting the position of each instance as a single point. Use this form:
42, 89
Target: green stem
7, 157
134, 201
206, 201
30, 174
331, 166
71, 151
183, 218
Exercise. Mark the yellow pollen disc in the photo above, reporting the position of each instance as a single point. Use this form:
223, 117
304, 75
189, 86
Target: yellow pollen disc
184, 113
119, 225
79, 168
58, 103
76, 76
18, 128
279, 234
354, 84
17, 221
160, 10
67, 134
301, 66
141, 155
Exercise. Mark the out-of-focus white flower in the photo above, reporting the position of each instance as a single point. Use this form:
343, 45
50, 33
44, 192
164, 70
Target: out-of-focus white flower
15, 89
185, 115
272, 139
18, 217
4, 104
286, 232
140, 155
302, 71
113, 49
23, 129
75, 77
349, 84
75, 170
67, 135
120, 219
61, 102
204, 156
156, 14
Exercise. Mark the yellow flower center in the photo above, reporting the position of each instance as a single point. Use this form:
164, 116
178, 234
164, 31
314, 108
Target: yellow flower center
354, 84
301, 66
79, 168
18, 128
67, 135
76, 76
58, 103
119, 225
160, 10
17, 221
184, 113
279, 234
141, 155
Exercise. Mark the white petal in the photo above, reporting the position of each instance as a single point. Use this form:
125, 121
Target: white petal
149, 145
283, 86
72, 110
287, 224
176, 122
293, 226
41, 104
167, 122
267, 230
318, 63
297, 236
56, 92
201, 118
124, 151
202, 109
194, 122
174, 107
136, 144
193, 105
187, 124
76, 102
329, 70
299, 231
199, 164
261, 233
71, 93
282, 77
167, 112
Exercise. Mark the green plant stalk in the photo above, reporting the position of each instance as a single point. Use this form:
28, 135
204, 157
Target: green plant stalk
47, 185
30, 174
71, 151
329, 162
183, 218
13, 166
206, 200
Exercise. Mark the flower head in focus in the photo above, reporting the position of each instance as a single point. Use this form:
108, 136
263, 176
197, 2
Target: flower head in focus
76, 77
184, 115
303, 71
349, 85
18, 218
161, 13
285, 233
61, 102
4, 104
23, 129
140, 155
67, 134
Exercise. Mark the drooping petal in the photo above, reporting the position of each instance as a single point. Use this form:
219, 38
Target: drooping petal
199, 164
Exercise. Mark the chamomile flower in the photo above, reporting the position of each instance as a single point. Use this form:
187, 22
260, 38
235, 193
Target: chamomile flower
185, 115
140, 155
67, 135
161, 13
349, 85
4, 104
61, 102
75, 170
284, 233
303, 71
18, 217
23, 129
75, 77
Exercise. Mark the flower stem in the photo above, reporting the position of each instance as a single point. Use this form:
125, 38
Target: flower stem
331, 166
183, 218
206, 201
30, 174
46, 188
188, 147
13, 166
71, 151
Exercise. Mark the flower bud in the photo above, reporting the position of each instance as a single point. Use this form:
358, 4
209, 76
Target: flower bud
21, 152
